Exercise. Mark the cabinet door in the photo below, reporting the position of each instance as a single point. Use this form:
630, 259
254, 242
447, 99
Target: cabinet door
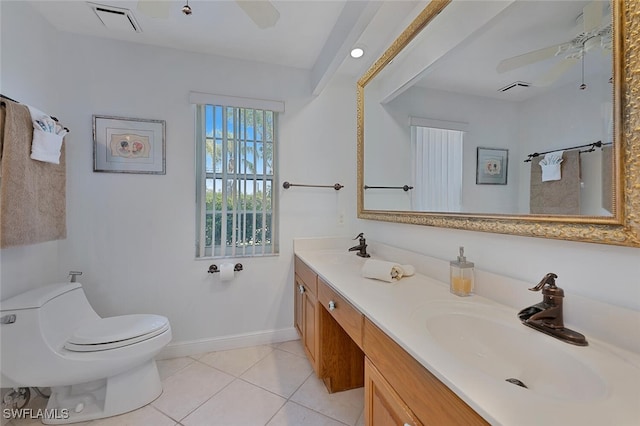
298, 305
310, 328
382, 405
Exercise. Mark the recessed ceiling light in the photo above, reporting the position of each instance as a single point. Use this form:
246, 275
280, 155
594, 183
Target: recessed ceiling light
357, 52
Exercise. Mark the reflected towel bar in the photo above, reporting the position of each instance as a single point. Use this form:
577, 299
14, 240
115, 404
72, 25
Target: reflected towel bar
214, 268
592, 147
404, 188
13, 100
337, 186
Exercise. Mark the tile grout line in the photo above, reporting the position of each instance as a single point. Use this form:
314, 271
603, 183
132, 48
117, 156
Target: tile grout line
224, 387
204, 402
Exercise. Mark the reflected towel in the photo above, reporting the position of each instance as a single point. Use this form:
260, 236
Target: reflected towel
550, 166
386, 271
46, 146
47, 137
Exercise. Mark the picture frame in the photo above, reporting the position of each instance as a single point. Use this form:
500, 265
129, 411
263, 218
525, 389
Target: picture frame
492, 166
128, 145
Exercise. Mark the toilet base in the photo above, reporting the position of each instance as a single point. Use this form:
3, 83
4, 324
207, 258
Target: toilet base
108, 397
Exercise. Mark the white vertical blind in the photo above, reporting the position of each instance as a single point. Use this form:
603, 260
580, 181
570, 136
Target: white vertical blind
236, 177
437, 169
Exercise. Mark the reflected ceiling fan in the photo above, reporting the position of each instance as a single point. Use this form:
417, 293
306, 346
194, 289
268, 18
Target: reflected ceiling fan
261, 12
596, 33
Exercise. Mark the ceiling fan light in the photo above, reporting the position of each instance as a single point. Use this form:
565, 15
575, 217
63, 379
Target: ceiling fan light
357, 52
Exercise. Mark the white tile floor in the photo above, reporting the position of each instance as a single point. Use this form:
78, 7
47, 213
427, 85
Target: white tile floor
261, 385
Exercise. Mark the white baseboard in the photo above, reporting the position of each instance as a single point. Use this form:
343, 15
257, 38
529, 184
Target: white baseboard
195, 347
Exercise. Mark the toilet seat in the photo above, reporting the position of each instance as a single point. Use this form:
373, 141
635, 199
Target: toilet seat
116, 332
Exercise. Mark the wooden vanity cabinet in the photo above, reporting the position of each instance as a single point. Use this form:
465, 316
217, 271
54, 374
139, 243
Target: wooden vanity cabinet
348, 351
306, 312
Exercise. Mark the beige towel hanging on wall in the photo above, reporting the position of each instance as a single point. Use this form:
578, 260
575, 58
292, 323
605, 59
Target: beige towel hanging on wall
32, 193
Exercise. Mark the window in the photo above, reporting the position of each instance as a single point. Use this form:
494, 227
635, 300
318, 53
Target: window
437, 169
236, 194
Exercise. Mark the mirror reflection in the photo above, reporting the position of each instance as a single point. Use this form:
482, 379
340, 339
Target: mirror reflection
509, 111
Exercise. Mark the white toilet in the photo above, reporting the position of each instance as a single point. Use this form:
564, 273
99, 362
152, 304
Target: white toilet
96, 367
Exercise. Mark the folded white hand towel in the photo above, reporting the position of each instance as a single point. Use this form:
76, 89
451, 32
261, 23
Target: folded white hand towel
46, 146
550, 166
386, 271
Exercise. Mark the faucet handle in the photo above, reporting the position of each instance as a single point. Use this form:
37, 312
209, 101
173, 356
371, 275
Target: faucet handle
549, 279
359, 236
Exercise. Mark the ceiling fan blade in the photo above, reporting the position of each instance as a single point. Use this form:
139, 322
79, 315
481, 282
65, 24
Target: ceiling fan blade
155, 8
262, 12
592, 16
556, 72
529, 58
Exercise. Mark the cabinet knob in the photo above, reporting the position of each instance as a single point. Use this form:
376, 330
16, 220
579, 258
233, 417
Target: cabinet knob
332, 305
301, 289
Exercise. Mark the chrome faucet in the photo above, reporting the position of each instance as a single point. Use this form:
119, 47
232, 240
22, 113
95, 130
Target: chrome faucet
546, 316
361, 248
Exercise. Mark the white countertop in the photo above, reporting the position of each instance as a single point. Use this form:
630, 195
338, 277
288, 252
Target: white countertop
393, 307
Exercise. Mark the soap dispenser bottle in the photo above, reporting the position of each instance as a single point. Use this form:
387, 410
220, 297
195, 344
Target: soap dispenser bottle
461, 280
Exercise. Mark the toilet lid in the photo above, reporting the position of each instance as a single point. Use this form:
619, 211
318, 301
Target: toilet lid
114, 332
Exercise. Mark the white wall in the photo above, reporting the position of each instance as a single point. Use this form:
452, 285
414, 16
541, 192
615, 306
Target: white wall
603, 272
31, 79
133, 235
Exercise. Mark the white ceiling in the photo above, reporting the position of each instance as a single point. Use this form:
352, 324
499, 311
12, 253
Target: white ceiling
317, 35
314, 35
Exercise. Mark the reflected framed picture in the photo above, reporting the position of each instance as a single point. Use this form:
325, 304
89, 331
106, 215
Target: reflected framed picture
492, 165
128, 145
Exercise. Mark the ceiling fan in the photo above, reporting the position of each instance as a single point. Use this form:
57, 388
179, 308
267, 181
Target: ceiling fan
261, 12
596, 33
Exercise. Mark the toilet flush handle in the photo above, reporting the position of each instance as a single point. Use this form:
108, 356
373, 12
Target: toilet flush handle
73, 275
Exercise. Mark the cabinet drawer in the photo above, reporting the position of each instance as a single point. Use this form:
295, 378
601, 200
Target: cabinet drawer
306, 274
349, 318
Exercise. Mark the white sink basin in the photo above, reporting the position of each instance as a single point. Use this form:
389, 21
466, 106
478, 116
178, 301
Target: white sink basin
493, 340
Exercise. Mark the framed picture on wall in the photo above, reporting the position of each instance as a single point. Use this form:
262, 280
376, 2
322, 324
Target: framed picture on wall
128, 145
491, 166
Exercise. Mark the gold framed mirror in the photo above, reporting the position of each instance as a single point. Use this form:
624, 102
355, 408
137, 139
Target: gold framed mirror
620, 227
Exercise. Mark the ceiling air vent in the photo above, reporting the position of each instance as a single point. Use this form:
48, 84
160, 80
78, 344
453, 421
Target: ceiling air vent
116, 18
515, 85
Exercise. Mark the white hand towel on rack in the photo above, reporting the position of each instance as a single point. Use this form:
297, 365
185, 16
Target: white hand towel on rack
46, 146
47, 137
386, 271
550, 165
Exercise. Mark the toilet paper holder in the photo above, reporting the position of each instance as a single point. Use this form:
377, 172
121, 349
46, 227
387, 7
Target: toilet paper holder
214, 268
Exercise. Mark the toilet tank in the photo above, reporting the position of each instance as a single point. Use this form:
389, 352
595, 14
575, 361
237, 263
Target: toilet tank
54, 310
36, 297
